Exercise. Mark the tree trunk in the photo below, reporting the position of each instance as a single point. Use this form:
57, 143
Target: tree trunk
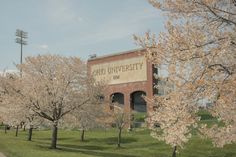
17, 129
54, 136
5, 129
174, 151
119, 137
82, 135
22, 125
30, 133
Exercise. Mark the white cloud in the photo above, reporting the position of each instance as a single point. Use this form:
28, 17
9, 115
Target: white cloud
9, 71
37, 49
122, 25
79, 19
62, 12
44, 46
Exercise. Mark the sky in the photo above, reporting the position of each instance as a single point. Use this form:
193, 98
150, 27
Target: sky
74, 27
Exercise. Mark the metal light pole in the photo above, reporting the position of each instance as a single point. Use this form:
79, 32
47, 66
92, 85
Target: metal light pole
20, 39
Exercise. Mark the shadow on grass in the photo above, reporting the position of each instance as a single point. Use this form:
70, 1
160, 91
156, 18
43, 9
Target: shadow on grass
230, 154
113, 140
88, 150
95, 143
96, 153
79, 147
106, 140
154, 145
49, 138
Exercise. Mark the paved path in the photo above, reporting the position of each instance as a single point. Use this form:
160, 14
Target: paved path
2, 155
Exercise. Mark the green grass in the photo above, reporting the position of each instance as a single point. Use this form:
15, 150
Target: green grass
137, 143
207, 118
205, 115
139, 116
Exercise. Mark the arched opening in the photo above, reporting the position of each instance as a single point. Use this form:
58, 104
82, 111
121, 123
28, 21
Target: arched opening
117, 98
138, 103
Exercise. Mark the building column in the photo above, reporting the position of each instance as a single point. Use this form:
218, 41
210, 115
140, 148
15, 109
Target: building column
127, 103
127, 108
150, 85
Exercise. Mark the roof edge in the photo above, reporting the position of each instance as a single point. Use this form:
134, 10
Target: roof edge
116, 54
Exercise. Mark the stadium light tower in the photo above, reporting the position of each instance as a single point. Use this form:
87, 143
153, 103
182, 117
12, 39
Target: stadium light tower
20, 39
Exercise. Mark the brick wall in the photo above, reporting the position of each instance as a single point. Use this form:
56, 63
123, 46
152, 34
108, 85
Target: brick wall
127, 88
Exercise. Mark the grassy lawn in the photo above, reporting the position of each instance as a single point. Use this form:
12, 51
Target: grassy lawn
103, 144
207, 118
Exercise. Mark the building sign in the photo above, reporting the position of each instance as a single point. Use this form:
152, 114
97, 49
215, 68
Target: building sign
121, 71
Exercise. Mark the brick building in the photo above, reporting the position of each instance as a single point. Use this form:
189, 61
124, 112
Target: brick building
128, 75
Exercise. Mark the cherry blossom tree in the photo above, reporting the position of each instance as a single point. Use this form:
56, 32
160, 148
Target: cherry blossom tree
53, 86
14, 108
172, 120
33, 121
198, 47
119, 118
88, 116
12, 111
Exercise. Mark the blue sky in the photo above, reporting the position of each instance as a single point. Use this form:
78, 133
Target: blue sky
74, 27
